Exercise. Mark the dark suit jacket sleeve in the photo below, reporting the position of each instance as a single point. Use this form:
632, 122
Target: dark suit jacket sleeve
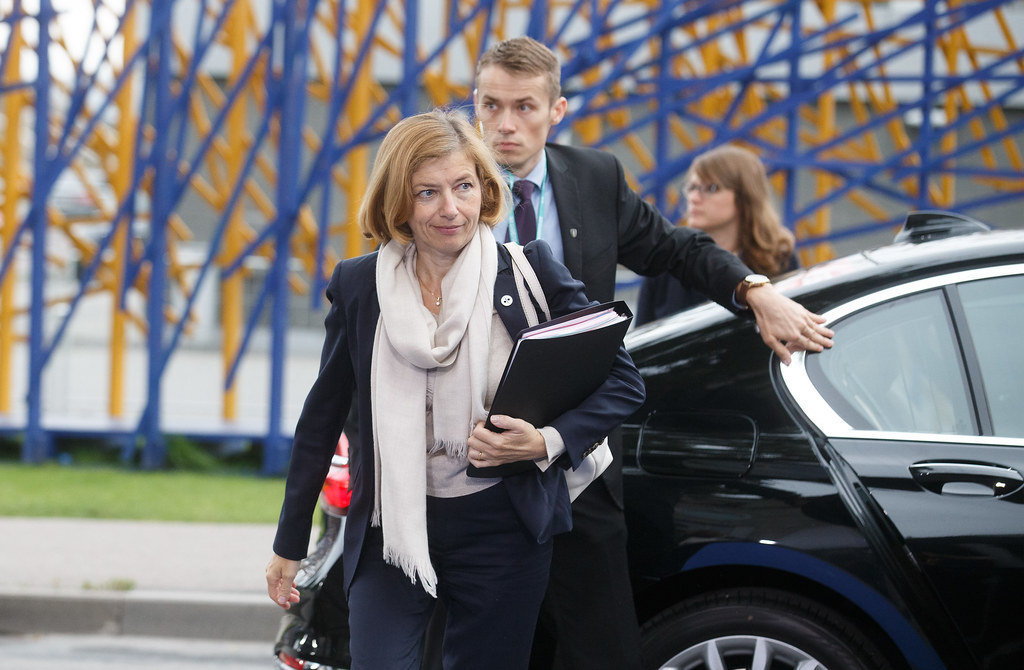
318, 429
649, 244
620, 395
593, 197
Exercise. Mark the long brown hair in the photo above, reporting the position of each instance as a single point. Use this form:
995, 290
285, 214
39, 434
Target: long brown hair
765, 244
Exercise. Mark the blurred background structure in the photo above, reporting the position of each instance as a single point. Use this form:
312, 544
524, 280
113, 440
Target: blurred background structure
178, 177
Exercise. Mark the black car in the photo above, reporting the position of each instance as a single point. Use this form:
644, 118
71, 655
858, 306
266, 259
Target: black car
859, 509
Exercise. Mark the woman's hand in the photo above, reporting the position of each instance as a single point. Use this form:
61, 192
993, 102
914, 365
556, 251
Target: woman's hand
281, 581
520, 441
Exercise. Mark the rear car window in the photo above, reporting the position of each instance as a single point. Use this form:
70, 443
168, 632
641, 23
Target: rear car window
897, 367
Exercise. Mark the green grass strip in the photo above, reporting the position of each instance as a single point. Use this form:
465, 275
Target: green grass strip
52, 490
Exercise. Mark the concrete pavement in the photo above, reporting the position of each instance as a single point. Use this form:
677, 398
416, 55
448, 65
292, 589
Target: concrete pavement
136, 578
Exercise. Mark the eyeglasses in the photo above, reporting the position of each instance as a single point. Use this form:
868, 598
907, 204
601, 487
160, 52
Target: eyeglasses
706, 189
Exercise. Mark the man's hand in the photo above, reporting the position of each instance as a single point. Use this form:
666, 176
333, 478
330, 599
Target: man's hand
281, 581
520, 441
786, 326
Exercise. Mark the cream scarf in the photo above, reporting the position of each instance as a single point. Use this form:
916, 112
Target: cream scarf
409, 341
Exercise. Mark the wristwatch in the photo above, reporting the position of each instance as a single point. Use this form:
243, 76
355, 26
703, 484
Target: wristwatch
749, 282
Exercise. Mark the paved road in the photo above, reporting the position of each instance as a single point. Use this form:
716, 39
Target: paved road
104, 652
189, 580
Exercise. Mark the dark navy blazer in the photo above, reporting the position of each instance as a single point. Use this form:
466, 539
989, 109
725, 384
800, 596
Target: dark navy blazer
541, 498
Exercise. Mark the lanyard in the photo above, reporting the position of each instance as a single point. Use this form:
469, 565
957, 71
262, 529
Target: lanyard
513, 232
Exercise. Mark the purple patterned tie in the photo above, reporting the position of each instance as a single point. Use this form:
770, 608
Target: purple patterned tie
526, 218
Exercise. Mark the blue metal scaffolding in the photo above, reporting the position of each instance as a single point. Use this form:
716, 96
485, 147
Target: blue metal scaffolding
248, 126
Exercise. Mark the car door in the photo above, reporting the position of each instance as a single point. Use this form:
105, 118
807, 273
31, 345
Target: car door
922, 404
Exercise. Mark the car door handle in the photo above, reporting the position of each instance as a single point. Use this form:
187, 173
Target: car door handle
967, 479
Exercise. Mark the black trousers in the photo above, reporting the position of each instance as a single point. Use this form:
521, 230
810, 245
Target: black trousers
588, 620
491, 579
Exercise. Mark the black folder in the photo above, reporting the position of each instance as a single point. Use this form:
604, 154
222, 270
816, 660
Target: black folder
544, 378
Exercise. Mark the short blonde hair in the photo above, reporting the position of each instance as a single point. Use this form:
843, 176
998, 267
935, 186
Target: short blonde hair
388, 203
525, 56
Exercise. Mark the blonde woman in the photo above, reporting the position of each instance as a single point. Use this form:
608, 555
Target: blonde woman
417, 336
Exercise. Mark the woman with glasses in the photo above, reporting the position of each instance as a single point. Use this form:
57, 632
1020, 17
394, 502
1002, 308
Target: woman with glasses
729, 198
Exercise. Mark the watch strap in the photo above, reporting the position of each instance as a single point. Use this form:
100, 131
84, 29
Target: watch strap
744, 287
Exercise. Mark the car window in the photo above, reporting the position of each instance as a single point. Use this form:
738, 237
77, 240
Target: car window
995, 317
897, 367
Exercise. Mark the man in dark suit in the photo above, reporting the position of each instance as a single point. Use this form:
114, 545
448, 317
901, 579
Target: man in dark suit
585, 210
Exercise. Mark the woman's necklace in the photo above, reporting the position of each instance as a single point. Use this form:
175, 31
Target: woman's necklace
437, 298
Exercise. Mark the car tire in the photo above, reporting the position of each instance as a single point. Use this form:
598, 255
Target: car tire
759, 629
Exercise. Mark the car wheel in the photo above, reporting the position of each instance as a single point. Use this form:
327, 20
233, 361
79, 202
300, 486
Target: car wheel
756, 629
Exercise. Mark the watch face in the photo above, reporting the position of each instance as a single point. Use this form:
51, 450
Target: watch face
755, 280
